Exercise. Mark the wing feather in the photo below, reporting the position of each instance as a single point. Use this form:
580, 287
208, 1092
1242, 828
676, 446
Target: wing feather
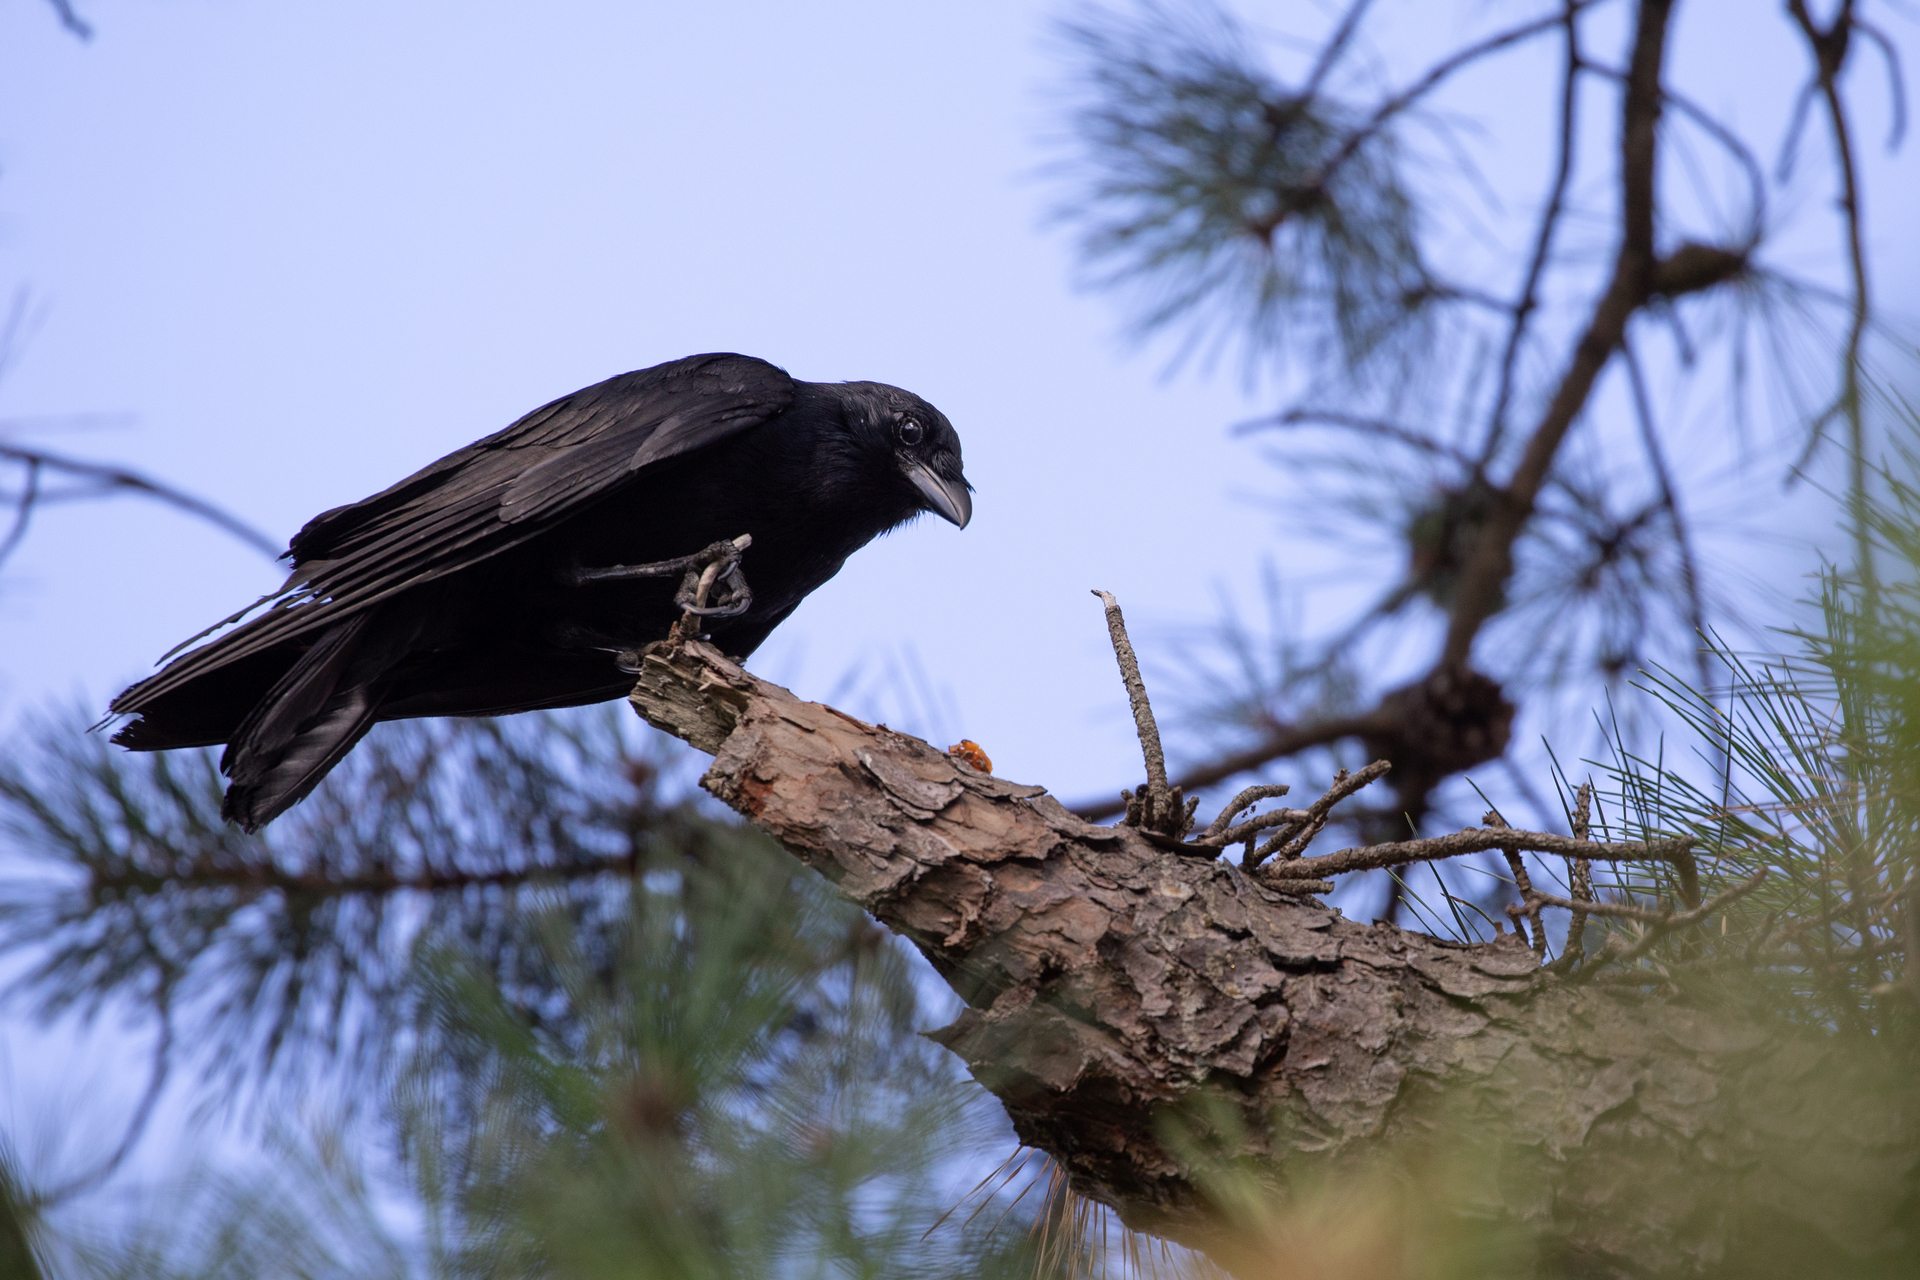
493, 495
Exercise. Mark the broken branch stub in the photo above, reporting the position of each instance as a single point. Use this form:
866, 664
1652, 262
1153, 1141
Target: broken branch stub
1108, 981
1156, 808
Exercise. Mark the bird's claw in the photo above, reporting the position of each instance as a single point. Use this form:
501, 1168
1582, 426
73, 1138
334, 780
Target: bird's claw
718, 565
695, 587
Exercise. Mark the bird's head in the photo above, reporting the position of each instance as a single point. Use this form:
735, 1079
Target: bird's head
919, 446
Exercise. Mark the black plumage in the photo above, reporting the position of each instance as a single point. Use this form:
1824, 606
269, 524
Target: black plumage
459, 590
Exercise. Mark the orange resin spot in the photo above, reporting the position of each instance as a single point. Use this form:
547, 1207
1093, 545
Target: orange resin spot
969, 750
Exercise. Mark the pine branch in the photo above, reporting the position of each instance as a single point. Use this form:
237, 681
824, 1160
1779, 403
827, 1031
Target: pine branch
1112, 983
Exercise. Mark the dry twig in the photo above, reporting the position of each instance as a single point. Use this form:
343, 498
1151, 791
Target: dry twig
1293, 841
1580, 878
1480, 840
1659, 925
1160, 811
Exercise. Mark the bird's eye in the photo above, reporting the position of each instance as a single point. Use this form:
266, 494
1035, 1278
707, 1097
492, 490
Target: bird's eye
910, 432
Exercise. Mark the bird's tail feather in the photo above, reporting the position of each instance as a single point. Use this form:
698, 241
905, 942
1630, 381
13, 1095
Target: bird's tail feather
308, 721
263, 788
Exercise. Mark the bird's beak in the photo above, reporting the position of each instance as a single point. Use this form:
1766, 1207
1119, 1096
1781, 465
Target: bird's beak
948, 498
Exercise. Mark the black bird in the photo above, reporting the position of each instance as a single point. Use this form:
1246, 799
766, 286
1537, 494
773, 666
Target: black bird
513, 574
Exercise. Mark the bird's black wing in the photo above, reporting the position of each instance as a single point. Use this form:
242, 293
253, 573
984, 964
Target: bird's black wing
494, 495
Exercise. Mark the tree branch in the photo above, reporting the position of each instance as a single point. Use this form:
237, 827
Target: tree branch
108, 478
1829, 48
1111, 985
1670, 499
1484, 578
263, 876
1543, 235
1287, 740
1401, 102
1480, 840
71, 20
1638, 276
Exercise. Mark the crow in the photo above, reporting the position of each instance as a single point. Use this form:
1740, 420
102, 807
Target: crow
522, 571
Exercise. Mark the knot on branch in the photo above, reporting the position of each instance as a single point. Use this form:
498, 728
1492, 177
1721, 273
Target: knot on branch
1442, 536
1694, 267
1164, 817
1446, 723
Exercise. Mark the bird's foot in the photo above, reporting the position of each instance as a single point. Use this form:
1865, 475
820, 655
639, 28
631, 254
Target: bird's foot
715, 566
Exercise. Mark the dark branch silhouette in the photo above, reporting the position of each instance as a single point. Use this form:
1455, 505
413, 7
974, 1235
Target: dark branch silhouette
98, 480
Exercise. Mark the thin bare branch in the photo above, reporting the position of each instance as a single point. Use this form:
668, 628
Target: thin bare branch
1483, 580
1335, 46
1162, 812
1670, 500
1360, 424
22, 512
1441, 71
1241, 803
264, 876
1525, 913
109, 478
1149, 732
1658, 929
1291, 843
1482, 840
158, 1069
1542, 240
1580, 880
72, 21
1896, 81
1829, 48
1284, 741
1720, 133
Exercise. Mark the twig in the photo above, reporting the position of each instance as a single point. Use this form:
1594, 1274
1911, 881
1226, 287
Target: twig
23, 511
1285, 741
1580, 882
1829, 49
1360, 424
1720, 133
1158, 808
157, 1073
1254, 826
1289, 844
1543, 238
203, 873
1245, 800
1657, 462
1480, 840
1525, 913
1335, 46
1896, 82
1664, 925
1400, 102
72, 21
1293, 884
108, 478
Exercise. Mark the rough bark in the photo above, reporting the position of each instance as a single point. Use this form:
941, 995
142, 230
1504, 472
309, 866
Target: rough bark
1110, 984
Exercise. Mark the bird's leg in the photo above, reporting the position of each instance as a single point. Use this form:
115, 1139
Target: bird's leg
715, 565
693, 566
